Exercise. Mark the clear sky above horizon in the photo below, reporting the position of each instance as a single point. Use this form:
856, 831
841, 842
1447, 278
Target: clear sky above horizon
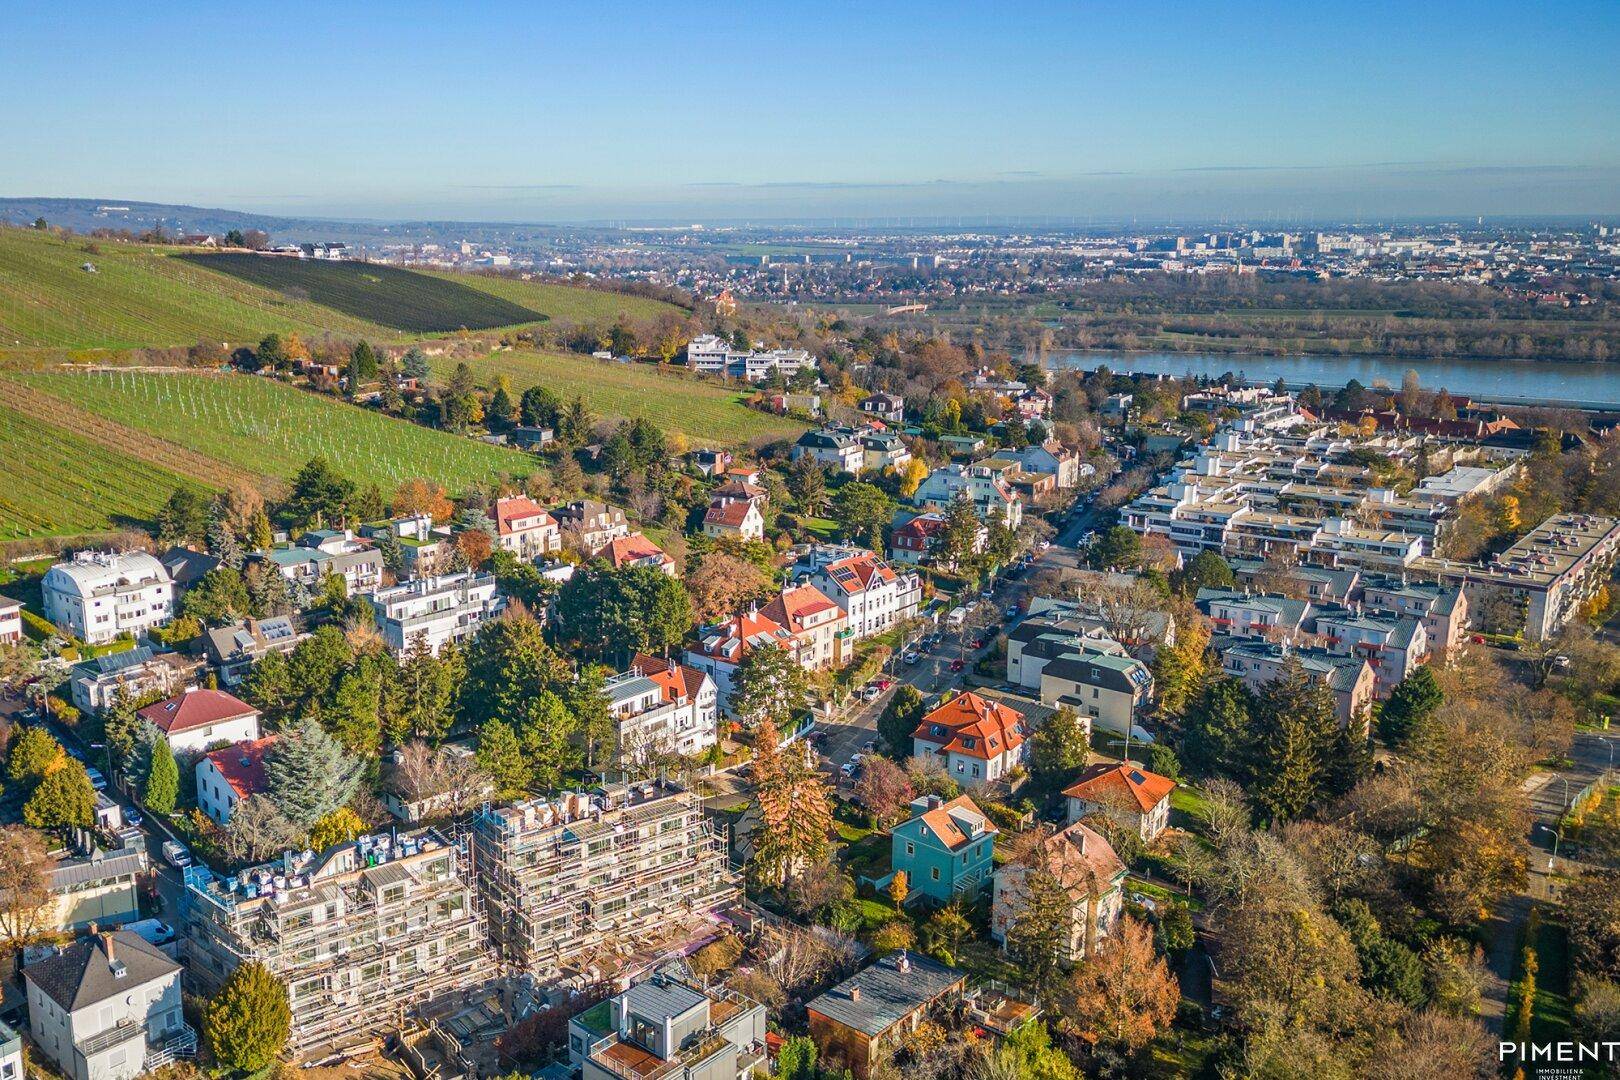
529, 111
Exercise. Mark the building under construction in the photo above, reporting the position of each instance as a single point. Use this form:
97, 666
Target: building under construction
363, 934
587, 887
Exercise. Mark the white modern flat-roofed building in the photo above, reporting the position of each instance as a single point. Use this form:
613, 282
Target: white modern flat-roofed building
436, 610
97, 596
11, 630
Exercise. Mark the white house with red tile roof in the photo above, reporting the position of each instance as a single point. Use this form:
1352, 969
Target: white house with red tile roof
913, 543
1092, 876
635, 550
872, 593
198, 718
979, 740
1125, 792
739, 518
802, 620
661, 707
525, 528
227, 776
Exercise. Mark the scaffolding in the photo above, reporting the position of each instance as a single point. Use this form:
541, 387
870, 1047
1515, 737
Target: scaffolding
585, 879
363, 934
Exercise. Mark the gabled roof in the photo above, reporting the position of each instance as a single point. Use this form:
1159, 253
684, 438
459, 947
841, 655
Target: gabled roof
957, 823
242, 765
857, 573
624, 551
972, 726
877, 997
794, 606
676, 681
1078, 856
1144, 789
196, 707
733, 514
519, 508
85, 973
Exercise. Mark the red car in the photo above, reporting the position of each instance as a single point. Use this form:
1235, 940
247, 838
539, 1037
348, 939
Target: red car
957, 665
884, 684
978, 643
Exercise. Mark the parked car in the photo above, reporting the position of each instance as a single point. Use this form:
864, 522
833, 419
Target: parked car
957, 664
977, 643
870, 692
132, 816
176, 854
848, 769
912, 657
884, 683
1012, 611
97, 781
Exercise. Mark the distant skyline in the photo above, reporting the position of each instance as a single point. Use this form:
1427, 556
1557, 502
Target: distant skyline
529, 112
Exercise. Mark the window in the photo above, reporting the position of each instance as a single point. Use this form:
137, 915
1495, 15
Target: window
934, 873
911, 849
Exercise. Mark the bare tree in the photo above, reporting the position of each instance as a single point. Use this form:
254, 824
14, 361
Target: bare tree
258, 830
24, 882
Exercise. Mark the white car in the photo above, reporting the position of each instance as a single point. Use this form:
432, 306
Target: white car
848, 769
912, 657
176, 853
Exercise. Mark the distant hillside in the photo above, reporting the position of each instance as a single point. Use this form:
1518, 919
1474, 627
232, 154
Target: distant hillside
140, 295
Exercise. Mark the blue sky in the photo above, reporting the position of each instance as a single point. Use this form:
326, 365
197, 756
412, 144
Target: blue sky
540, 111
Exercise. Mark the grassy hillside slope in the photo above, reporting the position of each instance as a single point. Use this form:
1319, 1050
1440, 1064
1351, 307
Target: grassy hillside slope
141, 295
704, 412
211, 428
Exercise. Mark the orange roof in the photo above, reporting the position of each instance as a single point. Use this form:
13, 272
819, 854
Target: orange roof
794, 606
942, 821
969, 725
518, 508
858, 572
626, 550
1078, 853
195, 708
1102, 781
242, 765
677, 681
728, 513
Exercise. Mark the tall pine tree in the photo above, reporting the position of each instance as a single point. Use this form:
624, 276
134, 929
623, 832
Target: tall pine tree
309, 774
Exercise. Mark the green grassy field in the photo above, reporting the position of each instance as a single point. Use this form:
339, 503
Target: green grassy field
141, 295
704, 412
63, 483
215, 426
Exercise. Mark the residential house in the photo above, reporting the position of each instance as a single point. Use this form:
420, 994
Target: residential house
362, 934
229, 775
713, 355
738, 518
1050, 458
197, 718
526, 437
989, 493
1040, 638
107, 1007
1254, 615
978, 740
435, 611
666, 1028
802, 620
1116, 407
525, 528
327, 552
1105, 686
635, 550
1032, 404
661, 708
882, 450
1256, 663
1125, 792
871, 593
888, 408
11, 627
1090, 874
966, 446
835, 447
233, 650
915, 541
1443, 608
874, 1009
1318, 584
423, 550
591, 523
11, 1053
93, 683
96, 887
1393, 644
710, 462
186, 567
943, 848
97, 596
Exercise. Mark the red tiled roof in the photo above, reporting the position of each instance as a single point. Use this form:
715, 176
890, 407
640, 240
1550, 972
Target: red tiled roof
728, 513
858, 572
1079, 853
677, 681
242, 765
794, 606
194, 709
519, 508
1102, 781
992, 727
625, 550
943, 824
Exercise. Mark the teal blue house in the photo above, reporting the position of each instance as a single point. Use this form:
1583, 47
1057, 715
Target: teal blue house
944, 848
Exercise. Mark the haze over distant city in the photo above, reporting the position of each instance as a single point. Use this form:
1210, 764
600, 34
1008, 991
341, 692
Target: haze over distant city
1097, 111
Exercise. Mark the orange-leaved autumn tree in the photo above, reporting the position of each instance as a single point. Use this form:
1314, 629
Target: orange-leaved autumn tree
1125, 993
795, 808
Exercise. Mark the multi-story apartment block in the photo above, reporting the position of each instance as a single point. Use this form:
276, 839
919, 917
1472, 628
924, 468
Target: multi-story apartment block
1256, 663
872, 594
99, 595
326, 552
667, 1029
436, 611
1443, 608
11, 630
661, 708
361, 934
525, 528
593, 523
713, 355
137, 672
1254, 615
882, 450
837, 448
1393, 644
980, 484
583, 880
422, 549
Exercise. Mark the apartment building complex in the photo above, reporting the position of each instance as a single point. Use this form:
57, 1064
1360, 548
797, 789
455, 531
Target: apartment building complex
664, 1027
362, 934
803, 620
435, 611
659, 708
872, 594
583, 884
99, 595
713, 355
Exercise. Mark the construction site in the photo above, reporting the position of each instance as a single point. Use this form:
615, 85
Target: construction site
366, 936
591, 888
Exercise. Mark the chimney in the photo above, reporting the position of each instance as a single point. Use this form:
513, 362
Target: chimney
904, 963
854, 993
107, 945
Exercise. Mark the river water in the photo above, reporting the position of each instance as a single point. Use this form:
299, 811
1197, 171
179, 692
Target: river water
1520, 382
